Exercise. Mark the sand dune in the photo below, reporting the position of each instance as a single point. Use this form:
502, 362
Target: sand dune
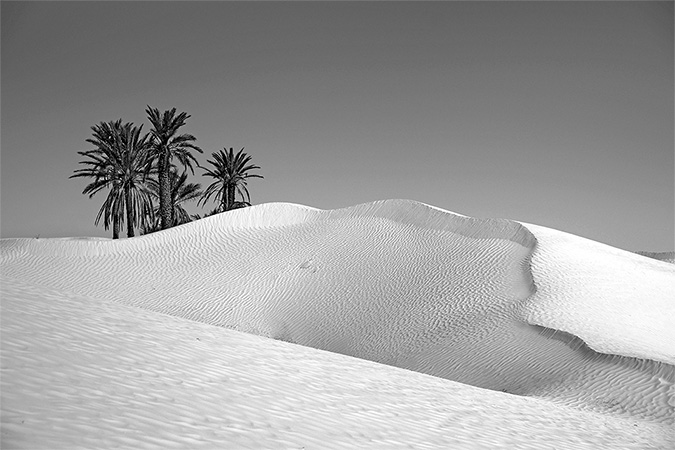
575, 325
660, 256
80, 372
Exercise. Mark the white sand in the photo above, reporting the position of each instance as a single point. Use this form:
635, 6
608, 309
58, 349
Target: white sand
395, 282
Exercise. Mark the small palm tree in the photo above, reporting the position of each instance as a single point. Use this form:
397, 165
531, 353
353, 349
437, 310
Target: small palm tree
231, 173
181, 192
167, 145
119, 162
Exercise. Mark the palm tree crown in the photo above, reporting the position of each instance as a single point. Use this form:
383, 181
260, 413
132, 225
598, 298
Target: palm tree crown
167, 144
231, 173
119, 162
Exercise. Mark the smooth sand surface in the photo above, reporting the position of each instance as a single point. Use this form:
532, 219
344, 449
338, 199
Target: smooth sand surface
581, 332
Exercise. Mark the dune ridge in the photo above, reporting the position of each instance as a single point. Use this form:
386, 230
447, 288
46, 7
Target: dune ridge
278, 215
491, 303
616, 301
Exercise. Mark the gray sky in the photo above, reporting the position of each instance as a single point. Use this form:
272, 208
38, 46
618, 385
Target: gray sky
553, 113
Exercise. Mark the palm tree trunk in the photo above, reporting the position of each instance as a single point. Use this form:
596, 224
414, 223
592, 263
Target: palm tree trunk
230, 197
173, 209
116, 227
130, 214
164, 192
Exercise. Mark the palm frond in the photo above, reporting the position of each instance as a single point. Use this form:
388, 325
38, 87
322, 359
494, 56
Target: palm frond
118, 162
230, 171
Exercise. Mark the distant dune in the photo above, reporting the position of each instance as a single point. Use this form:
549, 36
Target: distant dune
661, 256
580, 332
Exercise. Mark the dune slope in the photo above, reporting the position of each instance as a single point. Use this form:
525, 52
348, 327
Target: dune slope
490, 303
81, 372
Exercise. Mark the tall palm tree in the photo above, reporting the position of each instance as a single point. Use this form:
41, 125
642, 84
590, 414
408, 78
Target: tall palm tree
181, 192
168, 144
231, 173
119, 162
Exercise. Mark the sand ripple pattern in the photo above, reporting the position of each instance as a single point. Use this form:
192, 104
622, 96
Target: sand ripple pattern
81, 373
394, 282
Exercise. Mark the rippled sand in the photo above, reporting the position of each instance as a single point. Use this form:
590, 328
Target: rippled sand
583, 334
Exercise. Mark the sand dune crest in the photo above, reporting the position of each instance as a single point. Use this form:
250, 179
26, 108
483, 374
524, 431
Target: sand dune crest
487, 302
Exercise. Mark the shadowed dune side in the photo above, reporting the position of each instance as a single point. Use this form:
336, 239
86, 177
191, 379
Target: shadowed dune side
395, 282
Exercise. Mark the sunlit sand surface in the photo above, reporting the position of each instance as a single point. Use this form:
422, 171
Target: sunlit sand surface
392, 324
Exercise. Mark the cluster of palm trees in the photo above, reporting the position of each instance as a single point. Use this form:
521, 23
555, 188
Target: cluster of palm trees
146, 189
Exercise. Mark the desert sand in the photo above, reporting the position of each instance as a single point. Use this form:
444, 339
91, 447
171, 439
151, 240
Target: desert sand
392, 324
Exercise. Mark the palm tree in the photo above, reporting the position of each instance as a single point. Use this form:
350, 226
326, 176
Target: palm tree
181, 192
230, 172
119, 162
167, 144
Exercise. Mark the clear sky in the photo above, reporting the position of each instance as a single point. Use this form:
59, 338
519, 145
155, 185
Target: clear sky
553, 113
